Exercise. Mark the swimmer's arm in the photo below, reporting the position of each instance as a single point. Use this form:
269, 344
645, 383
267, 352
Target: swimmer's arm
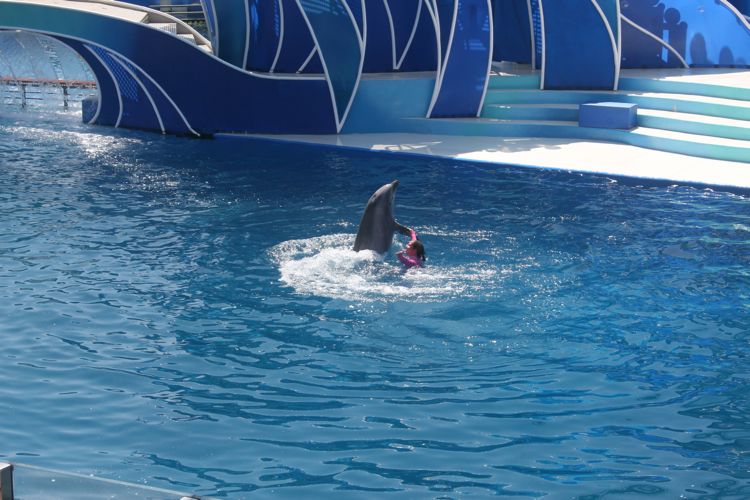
403, 229
405, 260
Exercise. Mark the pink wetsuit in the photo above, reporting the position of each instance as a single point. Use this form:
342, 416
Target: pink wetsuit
407, 259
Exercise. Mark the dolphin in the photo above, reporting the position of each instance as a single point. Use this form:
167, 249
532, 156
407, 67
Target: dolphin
378, 225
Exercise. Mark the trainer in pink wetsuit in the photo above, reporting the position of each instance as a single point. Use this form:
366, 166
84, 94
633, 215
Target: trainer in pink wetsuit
409, 257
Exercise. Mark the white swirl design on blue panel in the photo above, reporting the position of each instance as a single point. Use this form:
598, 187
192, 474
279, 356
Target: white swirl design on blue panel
150, 78
281, 35
743, 18
313, 51
114, 81
401, 58
340, 117
432, 10
615, 46
543, 42
247, 34
444, 61
143, 87
393, 33
489, 59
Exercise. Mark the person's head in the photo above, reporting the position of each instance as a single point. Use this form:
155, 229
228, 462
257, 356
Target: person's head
416, 248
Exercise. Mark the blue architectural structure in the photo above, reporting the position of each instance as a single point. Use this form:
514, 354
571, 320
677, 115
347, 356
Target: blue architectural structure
307, 66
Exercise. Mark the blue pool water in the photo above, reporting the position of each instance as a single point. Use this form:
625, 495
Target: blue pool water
187, 314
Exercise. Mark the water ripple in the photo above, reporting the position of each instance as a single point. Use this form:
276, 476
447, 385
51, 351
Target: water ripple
190, 314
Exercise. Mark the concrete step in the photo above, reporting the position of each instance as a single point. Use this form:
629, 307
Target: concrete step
509, 81
695, 124
564, 112
695, 88
700, 145
652, 118
683, 103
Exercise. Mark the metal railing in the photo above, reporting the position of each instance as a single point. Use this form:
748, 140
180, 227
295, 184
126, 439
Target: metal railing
30, 91
32, 483
190, 13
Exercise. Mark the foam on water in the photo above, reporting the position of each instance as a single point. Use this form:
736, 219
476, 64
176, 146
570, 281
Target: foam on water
326, 266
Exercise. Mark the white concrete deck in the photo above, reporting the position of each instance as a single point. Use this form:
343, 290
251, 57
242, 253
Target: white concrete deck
575, 155
729, 77
558, 154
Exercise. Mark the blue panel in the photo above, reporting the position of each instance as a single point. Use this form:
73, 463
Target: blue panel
702, 33
465, 71
610, 9
265, 34
742, 5
137, 111
231, 30
169, 115
404, 14
422, 53
109, 104
210, 15
578, 47
379, 46
356, 7
297, 43
339, 45
445, 11
389, 105
512, 42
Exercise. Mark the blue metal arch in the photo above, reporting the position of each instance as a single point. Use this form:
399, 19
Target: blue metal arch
169, 116
108, 107
136, 110
211, 95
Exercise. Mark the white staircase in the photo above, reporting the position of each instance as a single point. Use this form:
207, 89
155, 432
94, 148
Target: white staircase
177, 28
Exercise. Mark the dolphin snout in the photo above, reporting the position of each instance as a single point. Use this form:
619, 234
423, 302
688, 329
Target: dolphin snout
394, 184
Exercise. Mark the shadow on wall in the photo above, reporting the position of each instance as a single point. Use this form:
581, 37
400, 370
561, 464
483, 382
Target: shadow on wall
699, 55
642, 51
671, 34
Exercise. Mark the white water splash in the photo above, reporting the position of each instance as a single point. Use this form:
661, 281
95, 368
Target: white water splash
326, 266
